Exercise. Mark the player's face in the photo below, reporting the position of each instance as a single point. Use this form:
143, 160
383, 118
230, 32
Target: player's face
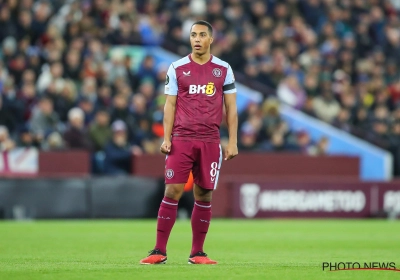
200, 39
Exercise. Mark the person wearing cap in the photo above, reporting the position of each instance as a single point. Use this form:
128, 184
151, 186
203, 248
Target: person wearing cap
118, 152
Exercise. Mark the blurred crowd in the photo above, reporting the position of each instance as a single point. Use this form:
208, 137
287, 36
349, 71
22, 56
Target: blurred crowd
62, 89
336, 60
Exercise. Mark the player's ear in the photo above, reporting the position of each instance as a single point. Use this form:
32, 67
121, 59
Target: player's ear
211, 40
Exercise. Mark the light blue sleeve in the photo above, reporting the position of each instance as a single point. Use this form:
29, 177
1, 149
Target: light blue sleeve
229, 83
171, 83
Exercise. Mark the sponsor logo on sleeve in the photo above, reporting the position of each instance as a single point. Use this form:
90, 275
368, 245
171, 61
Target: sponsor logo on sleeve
167, 80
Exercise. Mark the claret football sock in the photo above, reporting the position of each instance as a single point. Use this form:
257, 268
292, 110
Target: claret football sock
165, 221
201, 217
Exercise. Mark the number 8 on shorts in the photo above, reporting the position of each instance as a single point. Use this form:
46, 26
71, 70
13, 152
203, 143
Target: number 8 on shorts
213, 171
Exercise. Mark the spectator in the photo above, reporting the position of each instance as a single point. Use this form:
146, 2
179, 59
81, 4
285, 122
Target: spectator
395, 134
118, 151
248, 136
379, 134
311, 85
309, 107
104, 97
8, 28
121, 111
66, 100
75, 136
391, 72
116, 68
89, 89
53, 142
395, 145
6, 143
7, 117
326, 107
290, 92
88, 109
394, 91
342, 121
140, 113
73, 66
28, 77
132, 78
304, 142
9, 44
99, 131
321, 148
16, 67
24, 25
44, 119
51, 74
126, 34
360, 123
28, 99
42, 12
278, 144
26, 138
147, 70
270, 120
33, 60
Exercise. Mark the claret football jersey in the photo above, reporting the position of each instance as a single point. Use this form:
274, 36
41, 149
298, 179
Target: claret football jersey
200, 90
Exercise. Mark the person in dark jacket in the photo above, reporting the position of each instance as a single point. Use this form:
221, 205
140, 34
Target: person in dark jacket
118, 152
7, 118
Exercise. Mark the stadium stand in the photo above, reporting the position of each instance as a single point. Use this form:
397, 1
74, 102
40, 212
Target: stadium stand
335, 60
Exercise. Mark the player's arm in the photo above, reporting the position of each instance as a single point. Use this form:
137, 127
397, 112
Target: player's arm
231, 114
169, 116
232, 123
171, 91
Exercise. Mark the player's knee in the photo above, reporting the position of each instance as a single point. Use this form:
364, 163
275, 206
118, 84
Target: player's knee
202, 194
204, 198
173, 191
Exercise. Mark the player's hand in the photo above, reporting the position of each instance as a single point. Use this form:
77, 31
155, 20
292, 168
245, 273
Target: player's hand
231, 151
166, 147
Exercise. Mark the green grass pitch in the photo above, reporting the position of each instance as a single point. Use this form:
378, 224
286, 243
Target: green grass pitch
245, 249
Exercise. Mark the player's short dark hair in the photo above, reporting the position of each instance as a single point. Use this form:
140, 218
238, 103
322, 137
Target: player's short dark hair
205, 23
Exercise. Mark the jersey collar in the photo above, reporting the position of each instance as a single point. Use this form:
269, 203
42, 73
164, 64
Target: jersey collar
190, 57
